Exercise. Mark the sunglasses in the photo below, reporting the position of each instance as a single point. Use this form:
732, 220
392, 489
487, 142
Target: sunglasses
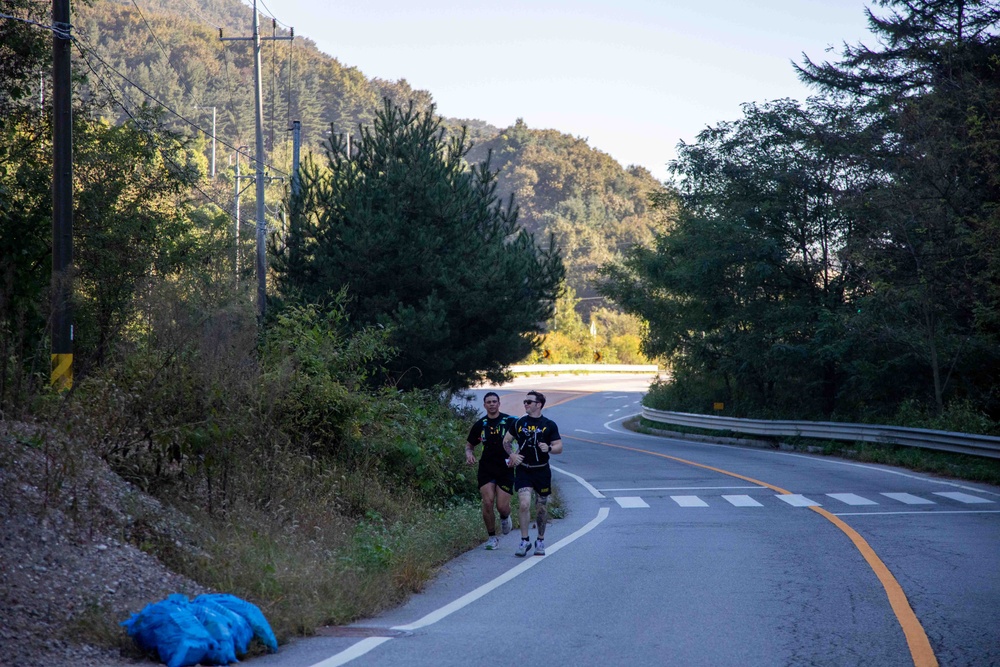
529, 402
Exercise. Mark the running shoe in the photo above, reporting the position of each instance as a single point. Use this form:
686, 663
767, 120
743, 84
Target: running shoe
492, 543
523, 547
539, 547
506, 525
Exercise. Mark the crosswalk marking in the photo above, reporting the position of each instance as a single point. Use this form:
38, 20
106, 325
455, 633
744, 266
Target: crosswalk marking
631, 502
962, 497
689, 501
742, 501
797, 500
851, 499
908, 499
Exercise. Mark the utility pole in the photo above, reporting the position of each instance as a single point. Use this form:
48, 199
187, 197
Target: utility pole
296, 148
236, 211
61, 332
213, 138
236, 261
259, 159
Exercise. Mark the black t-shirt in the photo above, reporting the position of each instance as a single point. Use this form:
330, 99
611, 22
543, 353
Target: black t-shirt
530, 431
490, 433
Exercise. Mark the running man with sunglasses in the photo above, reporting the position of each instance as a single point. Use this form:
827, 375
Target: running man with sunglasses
496, 476
537, 437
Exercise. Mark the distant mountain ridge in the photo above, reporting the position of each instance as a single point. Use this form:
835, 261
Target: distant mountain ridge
171, 48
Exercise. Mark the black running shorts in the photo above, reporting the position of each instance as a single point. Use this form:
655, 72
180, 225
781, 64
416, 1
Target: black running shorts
539, 479
491, 472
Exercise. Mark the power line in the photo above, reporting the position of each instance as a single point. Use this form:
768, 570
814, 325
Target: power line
163, 105
62, 32
271, 15
147, 131
142, 127
232, 104
200, 15
153, 34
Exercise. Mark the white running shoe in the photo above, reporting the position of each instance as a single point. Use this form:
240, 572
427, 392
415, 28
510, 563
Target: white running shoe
492, 543
539, 547
506, 524
523, 547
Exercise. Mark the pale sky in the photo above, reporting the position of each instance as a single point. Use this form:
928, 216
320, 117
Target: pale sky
633, 77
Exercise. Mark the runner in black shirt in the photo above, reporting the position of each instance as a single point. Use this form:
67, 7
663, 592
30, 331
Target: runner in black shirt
537, 438
496, 475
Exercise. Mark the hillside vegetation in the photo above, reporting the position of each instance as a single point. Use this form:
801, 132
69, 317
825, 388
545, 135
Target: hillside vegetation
593, 206
839, 257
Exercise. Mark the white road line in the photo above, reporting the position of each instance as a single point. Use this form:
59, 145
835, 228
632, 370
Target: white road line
851, 499
369, 643
796, 500
580, 430
355, 651
623, 418
631, 502
689, 501
909, 499
742, 501
472, 596
682, 488
587, 485
962, 497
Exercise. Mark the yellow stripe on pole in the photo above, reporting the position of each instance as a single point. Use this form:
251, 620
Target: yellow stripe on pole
62, 372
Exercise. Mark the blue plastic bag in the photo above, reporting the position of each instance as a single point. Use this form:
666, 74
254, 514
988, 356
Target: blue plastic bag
250, 612
239, 629
171, 629
217, 625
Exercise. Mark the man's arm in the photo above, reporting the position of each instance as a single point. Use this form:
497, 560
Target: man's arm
554, 447
513, 460
470, 455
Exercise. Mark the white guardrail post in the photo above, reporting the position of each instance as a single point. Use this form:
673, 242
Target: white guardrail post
950, 441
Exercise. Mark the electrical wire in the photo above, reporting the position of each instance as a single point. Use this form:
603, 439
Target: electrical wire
142, 127
163, 105
232, 104
194, 9
64, 33
150, 29
271, 15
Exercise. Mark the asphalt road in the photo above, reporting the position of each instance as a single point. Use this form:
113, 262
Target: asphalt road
690, 554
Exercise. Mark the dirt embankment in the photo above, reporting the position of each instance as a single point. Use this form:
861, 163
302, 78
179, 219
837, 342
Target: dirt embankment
71, 566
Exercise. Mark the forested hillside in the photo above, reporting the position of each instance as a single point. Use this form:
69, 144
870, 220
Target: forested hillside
171, 49
838, 257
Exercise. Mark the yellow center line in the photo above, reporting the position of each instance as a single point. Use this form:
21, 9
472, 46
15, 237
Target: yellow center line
916, 638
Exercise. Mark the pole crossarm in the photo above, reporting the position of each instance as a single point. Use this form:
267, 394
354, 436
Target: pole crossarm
282, 38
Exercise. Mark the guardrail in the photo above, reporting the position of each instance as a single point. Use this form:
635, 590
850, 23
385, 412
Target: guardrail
965, 443
584, 368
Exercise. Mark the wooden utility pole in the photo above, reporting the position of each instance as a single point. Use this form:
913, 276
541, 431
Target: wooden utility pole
259, 159
296, 149
61, 331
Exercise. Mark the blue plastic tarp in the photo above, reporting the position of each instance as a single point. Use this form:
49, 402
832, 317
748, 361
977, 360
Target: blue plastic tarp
211, 629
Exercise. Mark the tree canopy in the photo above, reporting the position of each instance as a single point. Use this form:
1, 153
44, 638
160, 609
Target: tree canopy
839, 257
424, 247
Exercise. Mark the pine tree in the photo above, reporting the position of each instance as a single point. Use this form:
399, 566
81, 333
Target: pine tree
424, 247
